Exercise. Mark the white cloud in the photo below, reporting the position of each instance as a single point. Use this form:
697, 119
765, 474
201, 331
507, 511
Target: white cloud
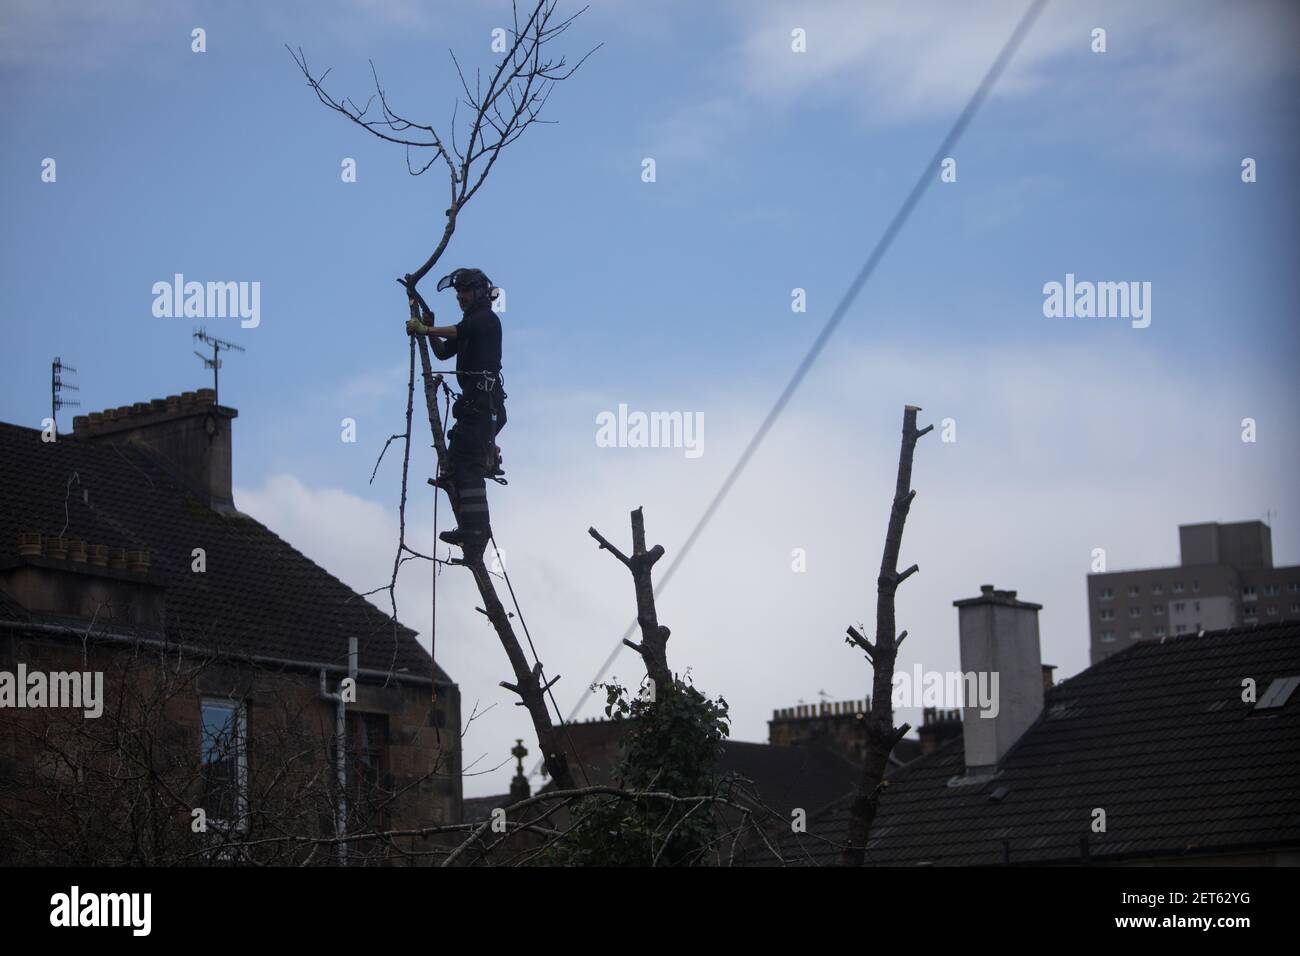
894, 61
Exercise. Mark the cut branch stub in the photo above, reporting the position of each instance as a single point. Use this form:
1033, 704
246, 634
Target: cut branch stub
654, 636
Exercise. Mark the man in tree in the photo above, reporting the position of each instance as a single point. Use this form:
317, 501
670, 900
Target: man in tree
480, 410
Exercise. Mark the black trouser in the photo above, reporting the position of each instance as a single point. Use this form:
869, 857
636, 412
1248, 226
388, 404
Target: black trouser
472, 450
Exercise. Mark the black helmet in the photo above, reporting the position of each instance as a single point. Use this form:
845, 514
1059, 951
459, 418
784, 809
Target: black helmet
465, 279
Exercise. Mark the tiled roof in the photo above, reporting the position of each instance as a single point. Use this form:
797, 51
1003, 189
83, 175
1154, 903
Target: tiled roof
783, 777
1157, 736
788, 777
478, 809
258, 595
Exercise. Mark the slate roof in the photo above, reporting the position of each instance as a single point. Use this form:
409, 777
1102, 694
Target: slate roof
783, 777
1157, 736
789, 777
258, 595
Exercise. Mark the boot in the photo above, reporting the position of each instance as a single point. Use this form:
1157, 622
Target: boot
460, 537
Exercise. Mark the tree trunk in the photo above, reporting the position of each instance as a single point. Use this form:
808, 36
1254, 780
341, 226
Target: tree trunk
528, 681
654, 636
881, 733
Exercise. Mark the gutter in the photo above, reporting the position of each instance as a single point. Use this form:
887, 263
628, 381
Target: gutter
262, 659
341, 747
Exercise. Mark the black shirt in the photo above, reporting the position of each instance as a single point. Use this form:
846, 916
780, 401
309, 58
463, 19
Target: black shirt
477, 344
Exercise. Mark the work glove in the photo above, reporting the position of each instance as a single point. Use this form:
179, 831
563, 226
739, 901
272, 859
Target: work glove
416, 327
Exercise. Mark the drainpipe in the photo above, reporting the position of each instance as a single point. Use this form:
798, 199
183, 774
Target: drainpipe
341, 749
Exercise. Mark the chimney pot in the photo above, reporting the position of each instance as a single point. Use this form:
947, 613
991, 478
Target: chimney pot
986, 589
79, 423
29, 544
56, 548
123, 411
117, 558
206, 396
77, 551
187, 398
98, 554
157, 404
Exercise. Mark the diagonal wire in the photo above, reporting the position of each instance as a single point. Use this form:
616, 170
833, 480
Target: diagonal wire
877, 253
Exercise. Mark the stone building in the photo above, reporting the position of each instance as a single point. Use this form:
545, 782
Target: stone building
228, 663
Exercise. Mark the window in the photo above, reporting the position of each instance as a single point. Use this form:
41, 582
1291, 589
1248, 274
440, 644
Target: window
1108, 614
1272, 610
1196, 586
1196, 605
1295, 608
1294, 587
1271, 590
1134, 590
224, 753
1180, 629
1157, 589
1158, 610
369, 784
1178, 587
1106, 594
1278, 693
1108, 637
1179, 607
1135, 612
1159, 632
1135, 635
1248, 592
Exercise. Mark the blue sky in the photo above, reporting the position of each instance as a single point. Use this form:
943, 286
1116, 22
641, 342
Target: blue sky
775, 170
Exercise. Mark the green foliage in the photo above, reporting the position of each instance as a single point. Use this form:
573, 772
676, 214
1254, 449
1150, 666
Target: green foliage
671, 745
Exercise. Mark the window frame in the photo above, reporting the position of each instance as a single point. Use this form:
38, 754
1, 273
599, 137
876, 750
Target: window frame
240, 710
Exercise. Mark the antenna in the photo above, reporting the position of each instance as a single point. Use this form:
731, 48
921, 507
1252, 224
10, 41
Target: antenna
57, 385
214, 363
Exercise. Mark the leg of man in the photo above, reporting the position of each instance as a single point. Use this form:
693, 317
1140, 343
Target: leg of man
466, 451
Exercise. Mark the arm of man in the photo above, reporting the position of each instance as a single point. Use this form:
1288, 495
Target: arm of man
442, 348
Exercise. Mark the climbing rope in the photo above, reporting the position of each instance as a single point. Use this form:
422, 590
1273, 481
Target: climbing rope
549, 693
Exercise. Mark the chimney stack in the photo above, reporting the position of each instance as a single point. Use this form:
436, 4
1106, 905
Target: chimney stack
999, 636
187, 434
835, 726
936, 727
